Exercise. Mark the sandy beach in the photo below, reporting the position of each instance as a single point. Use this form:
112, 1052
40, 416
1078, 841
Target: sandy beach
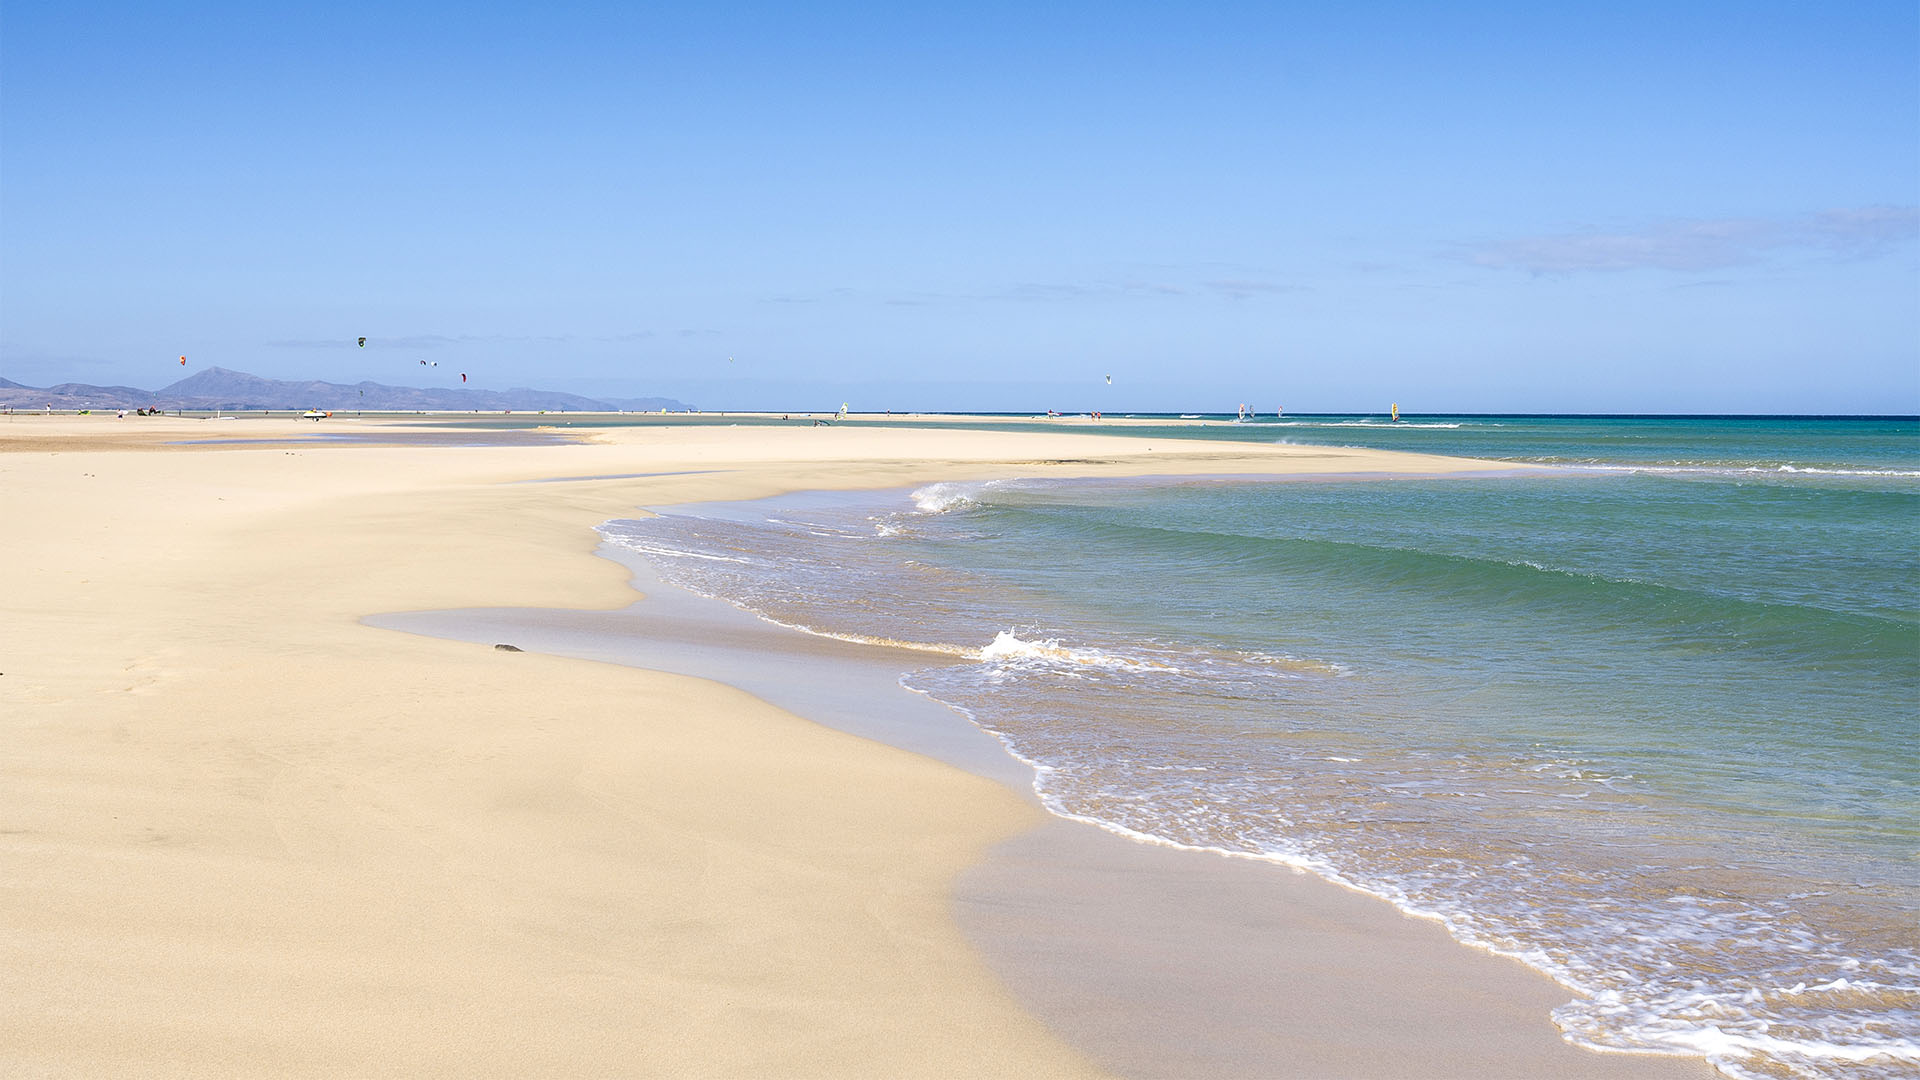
247, 827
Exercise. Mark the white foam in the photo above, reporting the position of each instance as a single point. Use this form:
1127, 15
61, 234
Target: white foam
813, 528
1008, 648
643, 548
1743, 1037
1816, 471
943, 497
1692, 469
1284, 660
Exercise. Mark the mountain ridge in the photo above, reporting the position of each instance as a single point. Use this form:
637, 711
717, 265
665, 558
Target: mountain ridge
222, 388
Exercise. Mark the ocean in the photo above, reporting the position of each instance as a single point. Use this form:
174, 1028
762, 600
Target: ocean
1647, 721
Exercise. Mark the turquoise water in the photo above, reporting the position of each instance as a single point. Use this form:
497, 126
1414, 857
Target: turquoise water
1875, 444
1648, 722
1868, 446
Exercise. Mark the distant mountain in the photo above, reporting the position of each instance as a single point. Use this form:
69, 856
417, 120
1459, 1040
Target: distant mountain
73, 396
223, 389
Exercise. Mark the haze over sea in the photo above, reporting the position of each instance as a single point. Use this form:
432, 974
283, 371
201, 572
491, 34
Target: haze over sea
1646, 721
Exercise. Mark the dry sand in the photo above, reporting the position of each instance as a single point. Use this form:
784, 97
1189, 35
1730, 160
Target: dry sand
241, 832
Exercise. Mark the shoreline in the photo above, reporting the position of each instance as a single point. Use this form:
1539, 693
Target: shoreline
1154, 958
503, 542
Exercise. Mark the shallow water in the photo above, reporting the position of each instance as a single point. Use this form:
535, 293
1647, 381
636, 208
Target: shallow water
1648, 725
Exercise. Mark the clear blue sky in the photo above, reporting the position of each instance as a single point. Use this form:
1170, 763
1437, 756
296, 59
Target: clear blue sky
1470, 207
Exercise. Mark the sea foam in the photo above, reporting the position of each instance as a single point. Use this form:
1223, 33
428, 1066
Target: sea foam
1008, 648
944, 497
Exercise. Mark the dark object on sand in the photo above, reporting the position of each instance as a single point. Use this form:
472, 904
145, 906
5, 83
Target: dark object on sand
508, 648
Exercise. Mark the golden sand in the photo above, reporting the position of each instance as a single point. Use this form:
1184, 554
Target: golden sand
241, 833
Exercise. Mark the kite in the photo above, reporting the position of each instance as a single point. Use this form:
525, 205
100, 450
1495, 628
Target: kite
363, 343
183, 361
463, 376
1109, 380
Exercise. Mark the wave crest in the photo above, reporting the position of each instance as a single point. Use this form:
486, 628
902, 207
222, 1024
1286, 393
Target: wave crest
1009, 648
943, 497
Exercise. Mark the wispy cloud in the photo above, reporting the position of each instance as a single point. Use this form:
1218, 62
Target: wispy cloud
1242, 288
1059, 292
1231, 288
1866, 231
1049, 291
442, 341
29, 359
1707, 243
838, 292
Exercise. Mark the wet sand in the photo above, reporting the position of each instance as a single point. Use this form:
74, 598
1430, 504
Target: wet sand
1154, 961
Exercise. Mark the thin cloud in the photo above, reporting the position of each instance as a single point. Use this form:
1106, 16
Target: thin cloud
1045, 291
415, 342
838, 292
1708, 244
30, 359
1068, 291
1241, 288
1052, 292
1867, 231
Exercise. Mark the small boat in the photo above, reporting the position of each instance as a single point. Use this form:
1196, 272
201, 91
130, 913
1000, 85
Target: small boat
315, 415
